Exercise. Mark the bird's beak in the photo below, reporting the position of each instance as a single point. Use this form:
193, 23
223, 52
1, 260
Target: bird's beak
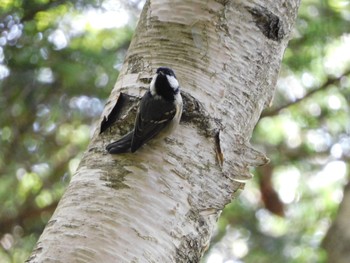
161, 73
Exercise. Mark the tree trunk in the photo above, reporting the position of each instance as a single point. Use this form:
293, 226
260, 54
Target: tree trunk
337, 239
161, 203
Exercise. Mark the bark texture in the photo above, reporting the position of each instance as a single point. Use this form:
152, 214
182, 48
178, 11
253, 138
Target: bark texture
337, 239
161, 203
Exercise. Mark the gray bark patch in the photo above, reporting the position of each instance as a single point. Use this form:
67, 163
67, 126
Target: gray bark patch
268, 23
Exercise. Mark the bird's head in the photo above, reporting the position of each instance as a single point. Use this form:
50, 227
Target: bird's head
164, 84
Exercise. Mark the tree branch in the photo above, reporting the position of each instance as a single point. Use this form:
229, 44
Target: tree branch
324, 86
7, 223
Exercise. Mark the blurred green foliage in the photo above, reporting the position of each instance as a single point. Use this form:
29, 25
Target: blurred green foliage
56, 65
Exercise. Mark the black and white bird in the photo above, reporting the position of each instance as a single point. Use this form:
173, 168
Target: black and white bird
158, 115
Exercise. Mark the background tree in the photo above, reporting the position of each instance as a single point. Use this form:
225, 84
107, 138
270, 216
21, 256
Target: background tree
45, 121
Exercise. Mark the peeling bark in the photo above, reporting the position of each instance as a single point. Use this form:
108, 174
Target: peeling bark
161, 203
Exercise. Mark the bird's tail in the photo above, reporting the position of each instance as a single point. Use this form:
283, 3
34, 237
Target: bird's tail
122, 145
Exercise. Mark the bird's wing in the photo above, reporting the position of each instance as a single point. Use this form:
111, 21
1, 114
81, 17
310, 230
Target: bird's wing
153, 116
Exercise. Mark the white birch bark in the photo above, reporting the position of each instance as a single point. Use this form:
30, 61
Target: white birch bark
161, 203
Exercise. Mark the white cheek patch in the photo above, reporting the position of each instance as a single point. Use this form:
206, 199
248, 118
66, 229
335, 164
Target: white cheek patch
153, 85
173, 82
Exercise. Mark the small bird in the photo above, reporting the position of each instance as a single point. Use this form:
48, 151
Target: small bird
158, 115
